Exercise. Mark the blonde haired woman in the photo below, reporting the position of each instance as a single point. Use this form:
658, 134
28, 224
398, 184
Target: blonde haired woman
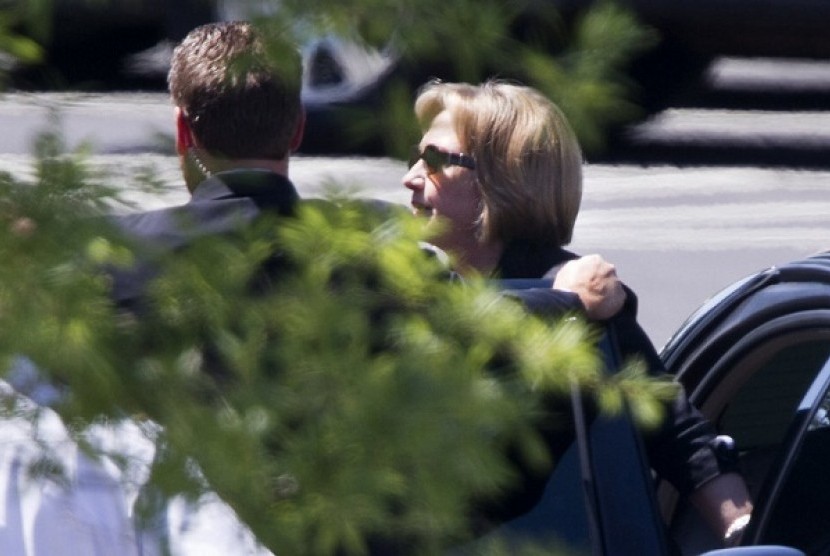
498, 172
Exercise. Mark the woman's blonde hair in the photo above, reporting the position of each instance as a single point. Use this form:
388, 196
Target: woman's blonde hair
528, 160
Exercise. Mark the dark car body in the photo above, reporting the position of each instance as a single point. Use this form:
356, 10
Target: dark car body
756, 359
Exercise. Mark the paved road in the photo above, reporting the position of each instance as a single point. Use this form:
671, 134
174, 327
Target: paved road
677, 234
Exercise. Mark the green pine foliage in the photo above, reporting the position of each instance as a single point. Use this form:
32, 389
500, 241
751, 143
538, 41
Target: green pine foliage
359, 397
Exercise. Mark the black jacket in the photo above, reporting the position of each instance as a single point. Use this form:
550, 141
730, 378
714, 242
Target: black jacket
680, 451
222, 204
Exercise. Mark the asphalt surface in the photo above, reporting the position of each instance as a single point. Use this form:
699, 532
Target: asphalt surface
678, 228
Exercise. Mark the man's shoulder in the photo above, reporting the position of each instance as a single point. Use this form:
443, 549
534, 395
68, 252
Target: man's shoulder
219, 205
154, 225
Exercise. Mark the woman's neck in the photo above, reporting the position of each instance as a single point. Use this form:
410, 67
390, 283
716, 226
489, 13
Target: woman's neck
470, 256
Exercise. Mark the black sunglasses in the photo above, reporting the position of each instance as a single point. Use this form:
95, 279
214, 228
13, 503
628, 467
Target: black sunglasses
436, 159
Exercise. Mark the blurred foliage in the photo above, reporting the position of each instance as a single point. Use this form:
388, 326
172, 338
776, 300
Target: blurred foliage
32, 15
579, 58
360, 397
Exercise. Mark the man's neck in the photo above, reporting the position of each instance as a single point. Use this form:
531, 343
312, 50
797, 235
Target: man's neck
275, 166
196, 169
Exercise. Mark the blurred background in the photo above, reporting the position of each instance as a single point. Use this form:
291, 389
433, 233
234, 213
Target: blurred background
608, 64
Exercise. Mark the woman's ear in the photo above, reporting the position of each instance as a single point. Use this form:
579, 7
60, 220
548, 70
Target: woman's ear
184, 135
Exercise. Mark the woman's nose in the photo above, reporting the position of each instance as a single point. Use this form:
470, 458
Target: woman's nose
414, 178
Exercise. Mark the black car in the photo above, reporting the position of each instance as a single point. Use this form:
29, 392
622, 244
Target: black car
756, 360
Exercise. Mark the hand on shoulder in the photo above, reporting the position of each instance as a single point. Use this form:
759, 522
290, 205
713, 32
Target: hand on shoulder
596, 283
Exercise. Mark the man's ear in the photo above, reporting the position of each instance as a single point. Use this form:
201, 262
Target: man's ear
299, 130
184, 135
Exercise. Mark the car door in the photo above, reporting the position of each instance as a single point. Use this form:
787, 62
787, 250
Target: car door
755, 360
792, 508
600, 499
587, 506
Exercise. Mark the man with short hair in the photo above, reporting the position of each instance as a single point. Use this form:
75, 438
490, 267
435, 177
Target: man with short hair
238, 117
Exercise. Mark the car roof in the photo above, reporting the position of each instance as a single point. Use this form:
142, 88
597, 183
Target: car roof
797, 286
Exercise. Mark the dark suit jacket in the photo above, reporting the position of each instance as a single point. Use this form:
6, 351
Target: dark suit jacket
222, 204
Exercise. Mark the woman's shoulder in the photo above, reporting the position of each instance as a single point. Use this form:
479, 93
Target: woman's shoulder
524, 259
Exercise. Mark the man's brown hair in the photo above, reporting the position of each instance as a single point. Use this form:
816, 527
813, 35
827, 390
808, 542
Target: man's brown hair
239, 90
